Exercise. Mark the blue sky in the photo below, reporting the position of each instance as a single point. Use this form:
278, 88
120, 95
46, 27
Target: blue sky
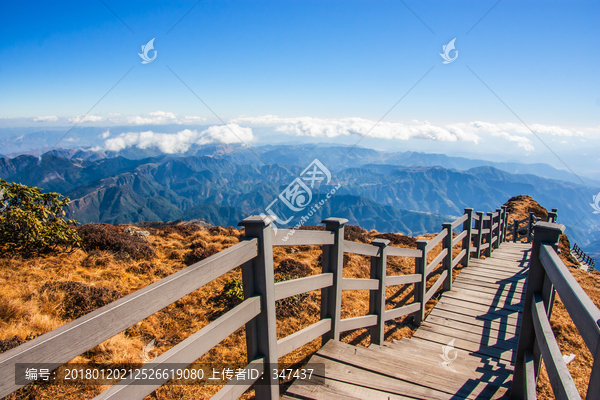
318, 59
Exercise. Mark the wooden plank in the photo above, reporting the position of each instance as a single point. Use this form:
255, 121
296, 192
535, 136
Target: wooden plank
401, 311
402, 279
482, 308
476, 269
483, 299
517, 287
485, 245
361, 248
298, 339
296, 237
514, 268
435, 286
433, 242
236, 387
350, 324
496, 269
459, 238
186, 352
302, 285
411, 350
359, 284
506, 291
403, 252
475, 280
490, 296
502, 331
463, 356
506, 316
429, 357
460, 221
490, 275
459, 257
333, 389
490, 351
482, 340
581, 308
387, 365
560, 378
435, 262
76, 337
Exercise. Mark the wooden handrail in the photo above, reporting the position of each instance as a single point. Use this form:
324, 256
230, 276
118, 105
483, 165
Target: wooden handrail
547, 276
76, 337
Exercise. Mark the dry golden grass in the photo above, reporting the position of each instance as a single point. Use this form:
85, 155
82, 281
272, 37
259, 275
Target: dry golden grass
26, 310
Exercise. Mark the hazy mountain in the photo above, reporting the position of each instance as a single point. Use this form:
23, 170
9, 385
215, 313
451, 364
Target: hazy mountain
220, 189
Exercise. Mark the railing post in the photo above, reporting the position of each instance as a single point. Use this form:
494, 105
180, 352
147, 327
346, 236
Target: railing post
490, 223
504, 222
479, 225
421, 287
333, 261
448, 259
377, 297
545, 233
498, 229
593, 391
466, 244
530, 227
258, 280
553, 215
515, 230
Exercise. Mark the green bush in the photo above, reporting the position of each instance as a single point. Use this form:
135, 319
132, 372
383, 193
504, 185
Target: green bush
33, 223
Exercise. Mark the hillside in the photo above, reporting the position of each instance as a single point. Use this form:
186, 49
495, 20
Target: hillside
41, 294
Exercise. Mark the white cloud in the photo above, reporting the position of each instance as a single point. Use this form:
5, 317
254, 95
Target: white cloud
320, 127
50, 118
181, 141
86, 118
161, 117
415, 129
105, 134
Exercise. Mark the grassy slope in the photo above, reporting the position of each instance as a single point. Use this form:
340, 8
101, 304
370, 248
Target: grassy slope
25, 310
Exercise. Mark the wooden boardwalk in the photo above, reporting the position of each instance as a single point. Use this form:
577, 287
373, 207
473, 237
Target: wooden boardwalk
477, 320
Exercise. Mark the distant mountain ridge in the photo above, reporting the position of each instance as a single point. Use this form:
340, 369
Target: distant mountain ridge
220, 188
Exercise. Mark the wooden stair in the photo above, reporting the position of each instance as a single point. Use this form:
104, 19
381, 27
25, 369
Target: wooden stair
480, 317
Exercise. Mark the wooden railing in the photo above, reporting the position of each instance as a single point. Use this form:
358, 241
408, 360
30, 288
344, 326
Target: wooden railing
584, 258
525, 231
548, 275
257, 312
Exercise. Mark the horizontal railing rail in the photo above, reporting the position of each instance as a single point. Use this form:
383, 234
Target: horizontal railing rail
547, 277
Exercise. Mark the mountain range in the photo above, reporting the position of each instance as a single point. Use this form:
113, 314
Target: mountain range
224, 183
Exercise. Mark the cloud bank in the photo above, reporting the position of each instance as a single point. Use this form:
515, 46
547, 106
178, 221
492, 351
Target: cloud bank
466, 132
181, 141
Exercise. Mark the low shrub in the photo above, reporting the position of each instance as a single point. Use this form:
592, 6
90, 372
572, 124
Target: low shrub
292, 267
199, 254
79, 298
33, 223
111, 238
397, 239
